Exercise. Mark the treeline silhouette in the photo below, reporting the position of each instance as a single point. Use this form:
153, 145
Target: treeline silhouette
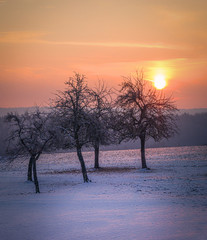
192, 132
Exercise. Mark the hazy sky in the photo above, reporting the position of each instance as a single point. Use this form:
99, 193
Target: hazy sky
42, 42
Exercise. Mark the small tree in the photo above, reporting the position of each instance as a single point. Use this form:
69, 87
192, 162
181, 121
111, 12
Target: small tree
30, 133
71, 107
144, 112
99, 132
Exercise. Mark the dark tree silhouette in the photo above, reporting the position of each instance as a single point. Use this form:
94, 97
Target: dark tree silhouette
72, 107
144, 112
30, 133
100, 131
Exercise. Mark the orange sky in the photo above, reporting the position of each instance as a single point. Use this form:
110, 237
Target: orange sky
42, 42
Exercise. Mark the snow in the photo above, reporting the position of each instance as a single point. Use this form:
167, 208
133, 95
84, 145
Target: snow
122, 201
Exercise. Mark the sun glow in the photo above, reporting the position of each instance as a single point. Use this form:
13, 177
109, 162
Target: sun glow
159, 81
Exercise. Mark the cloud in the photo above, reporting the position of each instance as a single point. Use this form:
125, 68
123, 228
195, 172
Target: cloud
37, 37
20, 36
109, 44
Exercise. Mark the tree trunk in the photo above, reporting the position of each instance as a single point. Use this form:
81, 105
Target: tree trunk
96, 151
144, 164
83, 167
29, 171
35, 177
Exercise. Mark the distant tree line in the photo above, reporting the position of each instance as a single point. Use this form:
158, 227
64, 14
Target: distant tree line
192, 131
80, 117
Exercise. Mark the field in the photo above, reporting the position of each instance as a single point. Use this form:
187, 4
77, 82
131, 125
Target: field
122, 202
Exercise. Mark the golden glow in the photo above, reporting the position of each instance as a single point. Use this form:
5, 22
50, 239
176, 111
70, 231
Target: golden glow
159, 81
42, 55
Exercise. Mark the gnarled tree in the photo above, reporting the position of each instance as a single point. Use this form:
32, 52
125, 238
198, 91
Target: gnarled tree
99, 131
71, 107
31, 133
144, 112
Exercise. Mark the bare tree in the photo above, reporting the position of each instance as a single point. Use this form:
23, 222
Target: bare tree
100, 132
144, 112
30, 133
71, 107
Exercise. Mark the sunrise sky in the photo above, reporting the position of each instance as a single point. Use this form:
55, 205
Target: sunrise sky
42, 42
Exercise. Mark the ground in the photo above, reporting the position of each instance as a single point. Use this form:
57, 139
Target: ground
122, 201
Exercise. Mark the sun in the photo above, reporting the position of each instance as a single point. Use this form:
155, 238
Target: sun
159, 81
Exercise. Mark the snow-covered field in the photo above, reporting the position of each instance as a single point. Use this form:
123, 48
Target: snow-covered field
122, 201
